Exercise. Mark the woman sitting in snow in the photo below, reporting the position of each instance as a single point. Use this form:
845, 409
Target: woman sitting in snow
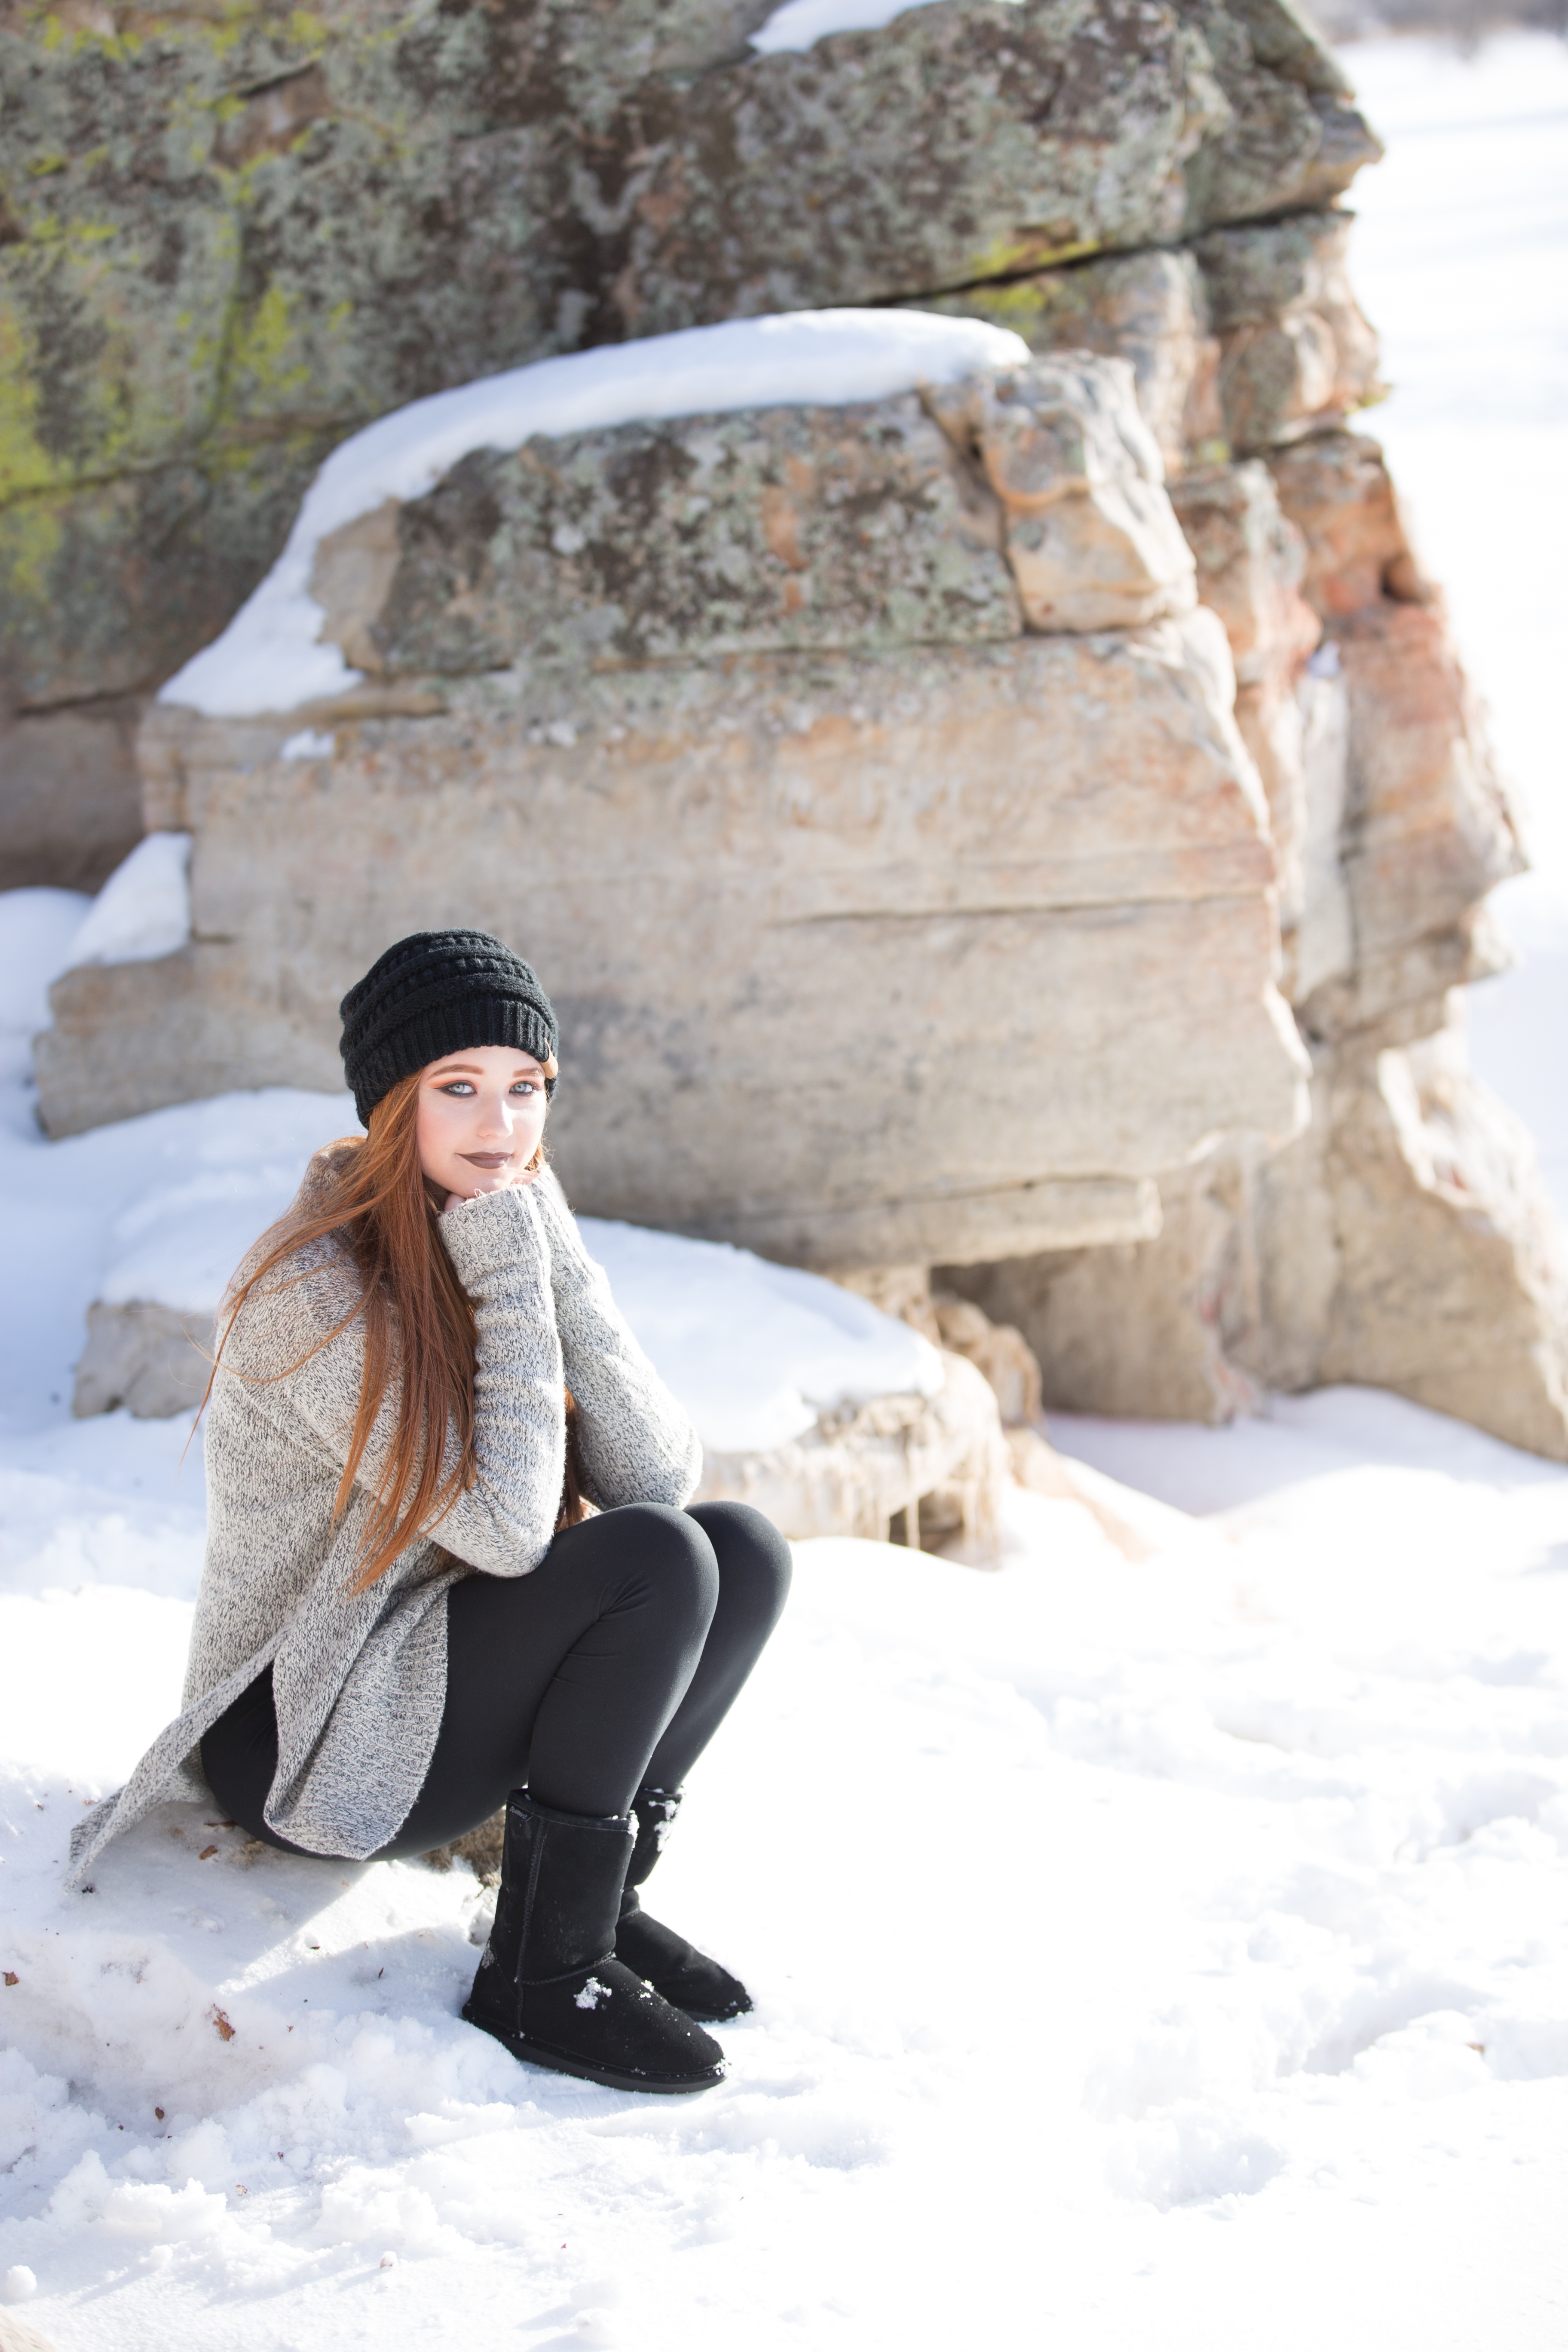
407, 1615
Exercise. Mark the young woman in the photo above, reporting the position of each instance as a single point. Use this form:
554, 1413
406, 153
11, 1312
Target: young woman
409, 1616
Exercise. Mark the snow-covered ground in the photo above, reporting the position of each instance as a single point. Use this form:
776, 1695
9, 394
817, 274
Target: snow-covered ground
1171, 1952
1162, 1953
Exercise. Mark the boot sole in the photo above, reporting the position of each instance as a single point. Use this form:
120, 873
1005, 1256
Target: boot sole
558, 2062
702, 2014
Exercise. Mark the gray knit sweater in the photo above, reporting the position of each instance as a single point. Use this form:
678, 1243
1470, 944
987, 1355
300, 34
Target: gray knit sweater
360, 1678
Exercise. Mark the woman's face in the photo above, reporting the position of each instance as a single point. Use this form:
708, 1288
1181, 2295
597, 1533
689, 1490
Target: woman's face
481, 1114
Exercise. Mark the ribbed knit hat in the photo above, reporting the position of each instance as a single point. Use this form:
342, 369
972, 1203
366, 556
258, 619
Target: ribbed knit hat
438, 992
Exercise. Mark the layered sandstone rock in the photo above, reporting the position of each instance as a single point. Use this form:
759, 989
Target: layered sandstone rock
928, 1470
226, 243
792, 911
1250, 561
154, 1361
1246, 339
1404, 1239
1149, 309
1008, 1365
882, 746
795, 808
70, 794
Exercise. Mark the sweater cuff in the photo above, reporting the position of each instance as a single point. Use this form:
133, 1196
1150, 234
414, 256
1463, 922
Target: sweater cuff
492, 1232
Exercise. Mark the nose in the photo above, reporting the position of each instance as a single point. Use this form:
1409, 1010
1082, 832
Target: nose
498, 1113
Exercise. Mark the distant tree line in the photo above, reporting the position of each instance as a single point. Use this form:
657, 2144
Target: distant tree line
1466, 22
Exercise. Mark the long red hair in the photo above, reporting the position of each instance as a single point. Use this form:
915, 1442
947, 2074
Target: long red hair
372, 1193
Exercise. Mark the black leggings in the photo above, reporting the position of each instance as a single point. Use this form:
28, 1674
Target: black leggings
608, 1669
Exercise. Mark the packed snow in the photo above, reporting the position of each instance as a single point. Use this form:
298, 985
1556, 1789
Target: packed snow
38, 936
1087, 1906
1162, 1952
143, 910
757, 1353
268, 657
800, 24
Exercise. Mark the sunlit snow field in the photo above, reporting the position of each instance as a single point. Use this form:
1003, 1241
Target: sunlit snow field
1161, 1954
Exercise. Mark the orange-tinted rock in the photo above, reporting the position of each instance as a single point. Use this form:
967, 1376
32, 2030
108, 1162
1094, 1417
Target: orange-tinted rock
1295, 352
1336, 489
1088, 533
1250, 562
1149, 309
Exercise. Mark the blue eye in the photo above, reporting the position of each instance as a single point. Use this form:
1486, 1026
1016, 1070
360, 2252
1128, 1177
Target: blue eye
457, 1087
523, 1086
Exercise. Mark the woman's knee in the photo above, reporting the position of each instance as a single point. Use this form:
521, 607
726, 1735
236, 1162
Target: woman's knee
755, 1563
676, 1558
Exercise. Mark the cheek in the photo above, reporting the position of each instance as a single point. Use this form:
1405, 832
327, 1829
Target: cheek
436, 1132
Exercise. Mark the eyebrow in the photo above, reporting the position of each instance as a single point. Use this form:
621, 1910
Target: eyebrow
473, 1070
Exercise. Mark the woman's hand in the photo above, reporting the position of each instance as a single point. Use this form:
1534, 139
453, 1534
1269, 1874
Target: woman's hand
519, 1183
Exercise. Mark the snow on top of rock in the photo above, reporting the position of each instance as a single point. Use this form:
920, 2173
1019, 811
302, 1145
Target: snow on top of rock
268, 657
755, 1351
143, 909
800, 22
38, 930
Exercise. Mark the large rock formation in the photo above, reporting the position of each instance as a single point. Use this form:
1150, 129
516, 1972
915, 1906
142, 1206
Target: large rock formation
918, 869
885, 925
226, 241
1406, 1238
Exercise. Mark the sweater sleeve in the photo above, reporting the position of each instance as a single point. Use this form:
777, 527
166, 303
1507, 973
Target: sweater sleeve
505, 1522
638, 1444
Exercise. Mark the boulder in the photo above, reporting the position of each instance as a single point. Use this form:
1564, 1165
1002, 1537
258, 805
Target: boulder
775, 530
1404, 1240
1011, 1370
70, 794
771, 531
930, 1469
1389, 827
1149, 309
1036, 870
1250, 562
1295, 355
1337, 490
846, 803
1247, 340
1088, 533
227, 245
1154, 1332
152, 1361
1427, 825
1434, 1264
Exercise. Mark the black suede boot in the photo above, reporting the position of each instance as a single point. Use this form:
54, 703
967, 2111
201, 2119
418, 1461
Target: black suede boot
549, 1985
685, 1978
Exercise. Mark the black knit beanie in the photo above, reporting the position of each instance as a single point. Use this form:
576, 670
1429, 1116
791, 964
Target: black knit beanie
436, 992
